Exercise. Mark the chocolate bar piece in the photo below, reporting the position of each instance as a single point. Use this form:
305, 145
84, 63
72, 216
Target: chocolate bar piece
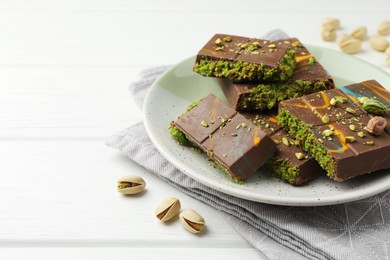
242, 59
373, 90
333, 128
289, 162
309, 76
236, 145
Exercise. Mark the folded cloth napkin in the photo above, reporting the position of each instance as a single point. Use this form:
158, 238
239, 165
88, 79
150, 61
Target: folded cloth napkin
354, 230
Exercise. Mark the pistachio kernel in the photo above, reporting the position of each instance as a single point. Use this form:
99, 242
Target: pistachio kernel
333, 102
204, 123
374, 106
361, 134
218, 42
369, 143
227, 39
350, 110
300, 156
325, 119
352, 127
285, 141
327, 132
349, 139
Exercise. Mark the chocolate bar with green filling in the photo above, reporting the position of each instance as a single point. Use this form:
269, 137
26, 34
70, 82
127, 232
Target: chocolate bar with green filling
235, 144
309, 76
243, 59
365, 93
335, 130
289, 162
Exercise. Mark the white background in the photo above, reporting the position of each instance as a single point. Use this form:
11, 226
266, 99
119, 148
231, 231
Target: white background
65, 67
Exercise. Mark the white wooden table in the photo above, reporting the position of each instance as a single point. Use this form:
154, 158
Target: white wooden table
64, 71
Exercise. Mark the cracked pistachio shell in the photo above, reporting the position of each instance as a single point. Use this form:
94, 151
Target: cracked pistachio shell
168, 208
351, 45
343, 37
378, 43
384, 28
359, 33
131, 184
192, 221
330, 22
328, 34
387, 51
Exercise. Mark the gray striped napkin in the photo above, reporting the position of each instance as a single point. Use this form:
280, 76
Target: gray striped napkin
355, 230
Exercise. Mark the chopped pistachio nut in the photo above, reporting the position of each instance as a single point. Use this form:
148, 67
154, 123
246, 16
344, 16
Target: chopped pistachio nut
352, 127
327, 132
227, 39
349, 139
333, 101
369, 143
361, 134
285, 141
325, 119
218, 42
204, 123
350, 110
300, 156
224, 155
243, 125
272, 46
363, 99
341, 99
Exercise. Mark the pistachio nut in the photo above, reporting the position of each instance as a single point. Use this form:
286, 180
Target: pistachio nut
192, 221
328, 34
387, 51
376, 125
168, 208
359, 33
374, 106
351, 45
330, 22
378, 43
384, 28
342, 37
131, 184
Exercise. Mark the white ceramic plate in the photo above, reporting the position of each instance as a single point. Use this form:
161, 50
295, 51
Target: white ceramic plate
170, 95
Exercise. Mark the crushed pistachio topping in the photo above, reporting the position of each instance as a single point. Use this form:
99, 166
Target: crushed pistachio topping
243, 125
300, 156
369, 143
227, 39
350, 110
325, 119
312, 60
361, 134
352, 127
349, 139
218, 42
204, 123
327, 132
333, 102
285, 141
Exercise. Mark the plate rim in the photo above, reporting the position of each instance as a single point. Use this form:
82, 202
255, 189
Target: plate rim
245, 194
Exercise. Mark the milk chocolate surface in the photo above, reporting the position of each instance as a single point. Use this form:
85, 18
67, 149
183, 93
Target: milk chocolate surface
284, 163
309, 76
235, 144
245, 59
335, 134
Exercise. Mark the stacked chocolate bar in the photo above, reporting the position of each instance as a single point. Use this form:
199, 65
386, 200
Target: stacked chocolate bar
317, 129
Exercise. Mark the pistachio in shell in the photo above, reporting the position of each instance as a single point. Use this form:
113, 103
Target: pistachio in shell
131, 184
168, 208
192, 221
